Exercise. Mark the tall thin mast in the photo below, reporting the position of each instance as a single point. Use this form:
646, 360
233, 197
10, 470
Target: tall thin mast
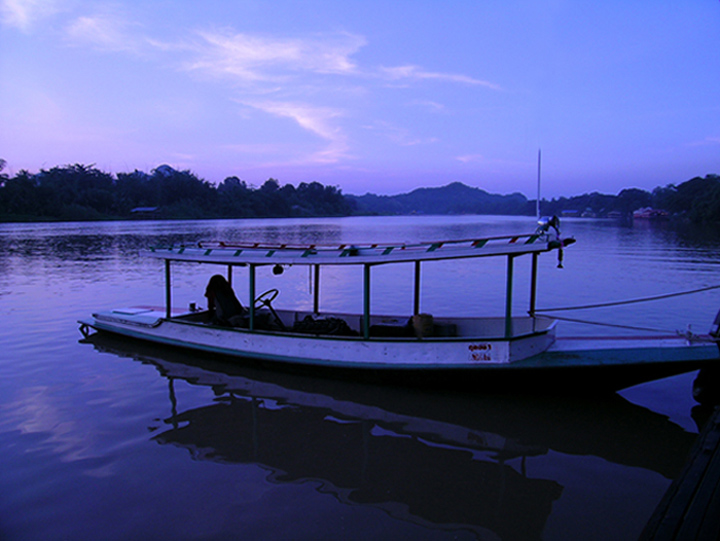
537, 203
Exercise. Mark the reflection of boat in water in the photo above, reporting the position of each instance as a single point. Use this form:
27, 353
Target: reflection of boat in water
446, 461
509, 351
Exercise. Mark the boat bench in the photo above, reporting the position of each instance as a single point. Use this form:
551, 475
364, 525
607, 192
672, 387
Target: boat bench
444, 330
385, 330
407, 330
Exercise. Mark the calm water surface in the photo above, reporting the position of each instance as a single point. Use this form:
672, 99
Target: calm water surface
113, 439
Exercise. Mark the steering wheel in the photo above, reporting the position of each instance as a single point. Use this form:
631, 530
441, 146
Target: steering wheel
265, 299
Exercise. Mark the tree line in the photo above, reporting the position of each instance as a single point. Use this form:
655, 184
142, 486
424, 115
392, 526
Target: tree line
83, 192
696, 200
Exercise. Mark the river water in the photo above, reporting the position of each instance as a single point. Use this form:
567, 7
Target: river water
113, 439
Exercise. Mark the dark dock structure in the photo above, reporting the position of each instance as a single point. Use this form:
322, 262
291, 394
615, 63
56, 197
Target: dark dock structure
690, 509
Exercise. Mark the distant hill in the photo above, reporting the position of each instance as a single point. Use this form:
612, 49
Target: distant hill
455, 198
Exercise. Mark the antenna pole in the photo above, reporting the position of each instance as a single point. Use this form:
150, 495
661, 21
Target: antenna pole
537, 203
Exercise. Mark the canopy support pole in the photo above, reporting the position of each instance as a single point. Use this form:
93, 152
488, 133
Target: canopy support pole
316, 289
508, 297
168, 296
366, 301
251, 307
533, 284
416, 295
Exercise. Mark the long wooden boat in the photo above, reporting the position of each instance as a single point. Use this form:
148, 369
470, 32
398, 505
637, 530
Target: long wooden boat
509, 350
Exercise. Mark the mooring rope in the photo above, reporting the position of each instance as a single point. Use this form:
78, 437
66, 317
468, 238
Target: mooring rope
630, 301
615, 325
688, 334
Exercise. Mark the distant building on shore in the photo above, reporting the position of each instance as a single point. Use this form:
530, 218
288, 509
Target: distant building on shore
649, 213
144, 212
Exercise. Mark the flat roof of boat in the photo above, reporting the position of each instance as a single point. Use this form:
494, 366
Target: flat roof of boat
352, 254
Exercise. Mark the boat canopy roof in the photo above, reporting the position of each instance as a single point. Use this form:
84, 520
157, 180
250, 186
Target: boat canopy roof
353, 254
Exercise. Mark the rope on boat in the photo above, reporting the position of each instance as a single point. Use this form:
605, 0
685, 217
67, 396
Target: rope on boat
690, 336
630, 301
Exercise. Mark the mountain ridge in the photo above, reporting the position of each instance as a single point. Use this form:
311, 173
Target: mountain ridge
453, 198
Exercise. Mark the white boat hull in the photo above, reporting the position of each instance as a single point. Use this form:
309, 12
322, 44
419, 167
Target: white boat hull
338, 351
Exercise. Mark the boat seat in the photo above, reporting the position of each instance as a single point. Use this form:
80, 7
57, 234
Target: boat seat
392, 330
444, 329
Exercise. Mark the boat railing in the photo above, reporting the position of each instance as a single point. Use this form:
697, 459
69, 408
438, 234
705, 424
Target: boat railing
306, 252
428, 246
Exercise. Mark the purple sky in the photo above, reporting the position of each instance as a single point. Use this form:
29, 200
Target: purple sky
369, 96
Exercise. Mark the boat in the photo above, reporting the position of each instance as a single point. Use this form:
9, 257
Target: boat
517, 351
